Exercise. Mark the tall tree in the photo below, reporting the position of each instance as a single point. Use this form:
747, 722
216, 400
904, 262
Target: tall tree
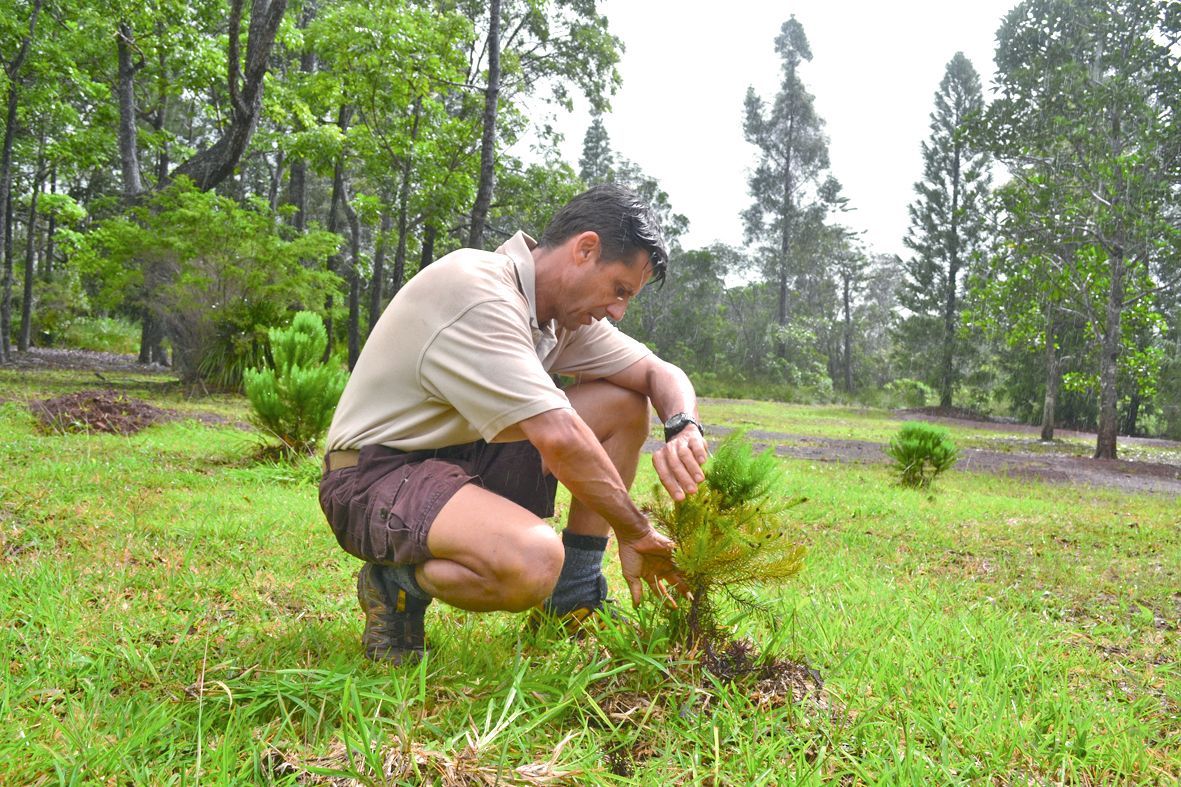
1088, 106
523, 47
475, 238
244, 83
947, 226
788, 207
12, 74
597, 162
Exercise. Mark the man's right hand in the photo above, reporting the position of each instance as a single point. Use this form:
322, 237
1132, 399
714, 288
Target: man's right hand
649, 559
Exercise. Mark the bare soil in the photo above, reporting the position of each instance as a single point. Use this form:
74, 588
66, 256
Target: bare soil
1044, 464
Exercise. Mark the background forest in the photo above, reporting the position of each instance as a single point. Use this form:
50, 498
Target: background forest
177, 177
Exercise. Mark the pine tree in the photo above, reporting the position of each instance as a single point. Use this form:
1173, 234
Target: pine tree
597, 163
294, 399
947, 224
787, 184
732, 533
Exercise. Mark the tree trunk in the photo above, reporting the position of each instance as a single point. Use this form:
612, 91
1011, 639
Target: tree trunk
297, 193
333, 225
26, 326
214, 164
947, 370
128, 132
45, 266
375, 286
404, 206
428, 246
6, 300
12, 69
354, 280
297, 181
1053, 380
160, 117
151, 339
475, 238
848, 353
1133, 413
1105, 444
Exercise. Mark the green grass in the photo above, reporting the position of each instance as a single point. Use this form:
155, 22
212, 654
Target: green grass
171, 612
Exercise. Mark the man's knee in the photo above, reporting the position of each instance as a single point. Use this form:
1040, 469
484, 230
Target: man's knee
633, 412
530, 570
611, 409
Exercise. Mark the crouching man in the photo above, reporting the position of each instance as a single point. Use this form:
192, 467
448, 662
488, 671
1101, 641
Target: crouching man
449, 441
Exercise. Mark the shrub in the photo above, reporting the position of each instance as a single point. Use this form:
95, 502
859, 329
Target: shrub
214, 272
731, 534
920, 452
910, 393
294, 398
102, 334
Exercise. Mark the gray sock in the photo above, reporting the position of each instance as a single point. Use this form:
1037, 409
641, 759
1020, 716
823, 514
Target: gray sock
581, 583
403, 577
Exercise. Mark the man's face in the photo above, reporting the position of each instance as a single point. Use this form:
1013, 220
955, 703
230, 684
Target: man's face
602, 289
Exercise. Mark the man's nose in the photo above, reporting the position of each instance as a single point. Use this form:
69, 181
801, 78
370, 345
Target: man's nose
616, 310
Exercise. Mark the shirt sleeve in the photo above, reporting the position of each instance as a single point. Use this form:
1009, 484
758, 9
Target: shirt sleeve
484, 365
596, 350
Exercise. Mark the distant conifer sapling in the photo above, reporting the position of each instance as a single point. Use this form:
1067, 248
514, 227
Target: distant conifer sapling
731, 535
921, 451
294, 398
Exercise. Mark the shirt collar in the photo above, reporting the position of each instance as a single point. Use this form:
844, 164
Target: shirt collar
519, 249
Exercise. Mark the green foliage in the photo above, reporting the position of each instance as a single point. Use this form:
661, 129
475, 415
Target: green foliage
732, 534
921, 452
214, 272
101, 334
295, 397
909, 393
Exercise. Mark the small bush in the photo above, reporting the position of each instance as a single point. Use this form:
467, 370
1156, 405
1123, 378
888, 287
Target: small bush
102, 334
920, 452
732, 534
295, 397
909, 393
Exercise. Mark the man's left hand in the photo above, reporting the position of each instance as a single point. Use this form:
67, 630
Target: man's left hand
678, 462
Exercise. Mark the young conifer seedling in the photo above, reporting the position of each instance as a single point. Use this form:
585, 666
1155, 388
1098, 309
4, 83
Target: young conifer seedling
731, 535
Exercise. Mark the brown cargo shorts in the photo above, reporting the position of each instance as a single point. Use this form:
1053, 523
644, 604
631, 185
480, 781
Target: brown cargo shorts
382, 509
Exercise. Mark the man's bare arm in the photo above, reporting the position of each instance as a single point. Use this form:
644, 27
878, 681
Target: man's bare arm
570, 451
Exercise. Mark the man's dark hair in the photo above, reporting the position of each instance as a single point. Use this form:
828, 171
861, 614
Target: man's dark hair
624, 222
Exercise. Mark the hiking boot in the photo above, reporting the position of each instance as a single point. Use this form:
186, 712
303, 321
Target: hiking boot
393, 620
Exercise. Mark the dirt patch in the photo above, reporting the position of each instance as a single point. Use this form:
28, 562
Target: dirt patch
769, 682
1044, 465
107, 411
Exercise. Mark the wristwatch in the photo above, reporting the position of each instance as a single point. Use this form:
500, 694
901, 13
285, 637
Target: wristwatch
674, 425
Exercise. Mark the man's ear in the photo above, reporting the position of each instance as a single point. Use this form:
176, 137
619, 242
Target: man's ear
587, 247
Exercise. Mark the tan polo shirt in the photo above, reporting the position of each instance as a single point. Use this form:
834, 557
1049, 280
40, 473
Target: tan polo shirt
458, 356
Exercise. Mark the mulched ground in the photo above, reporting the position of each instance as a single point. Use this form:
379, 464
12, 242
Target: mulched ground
97, 411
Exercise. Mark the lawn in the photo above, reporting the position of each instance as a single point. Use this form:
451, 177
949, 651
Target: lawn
173, 611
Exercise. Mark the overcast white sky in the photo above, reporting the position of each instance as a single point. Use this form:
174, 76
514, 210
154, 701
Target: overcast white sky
874, 73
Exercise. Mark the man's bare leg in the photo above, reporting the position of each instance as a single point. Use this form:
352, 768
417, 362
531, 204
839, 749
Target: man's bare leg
619, 419
490, 554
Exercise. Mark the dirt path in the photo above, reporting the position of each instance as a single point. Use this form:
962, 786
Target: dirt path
1054, 468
